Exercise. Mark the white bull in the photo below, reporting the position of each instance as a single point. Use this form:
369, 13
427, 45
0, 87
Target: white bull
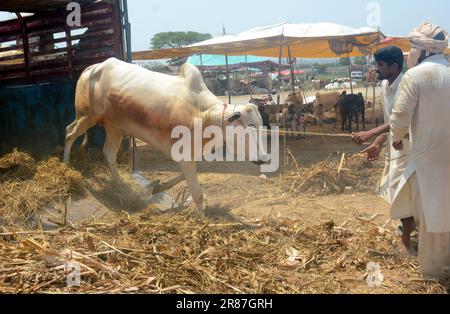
325, 101
131, 101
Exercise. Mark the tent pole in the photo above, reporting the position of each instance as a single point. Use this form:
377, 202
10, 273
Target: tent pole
374, 84
299, 75
373, 105
367, 90
248, 79
279, 71
291, 67
350, 72
228, 79
201, 62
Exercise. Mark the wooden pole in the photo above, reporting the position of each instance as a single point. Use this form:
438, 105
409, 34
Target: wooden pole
279, 71
350, 72
248, 78
127, 30
26, 46
132, 148
373, 105
291, 66
228, 79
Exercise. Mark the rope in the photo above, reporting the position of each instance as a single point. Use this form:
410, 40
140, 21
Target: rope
309, 133
312, 133
327, 135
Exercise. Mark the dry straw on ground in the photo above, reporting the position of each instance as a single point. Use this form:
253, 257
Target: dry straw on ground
179, 253
27, 187
333, 176
176, 253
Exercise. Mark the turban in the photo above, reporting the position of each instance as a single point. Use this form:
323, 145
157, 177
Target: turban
427, 37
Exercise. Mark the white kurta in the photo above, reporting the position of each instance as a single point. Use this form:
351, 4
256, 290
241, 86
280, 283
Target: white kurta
423, 101
434, 248
396, 161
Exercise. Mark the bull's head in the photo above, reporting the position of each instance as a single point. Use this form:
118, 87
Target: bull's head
247, 118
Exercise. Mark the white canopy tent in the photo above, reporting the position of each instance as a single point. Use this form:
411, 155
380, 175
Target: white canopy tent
285, 40
314, 40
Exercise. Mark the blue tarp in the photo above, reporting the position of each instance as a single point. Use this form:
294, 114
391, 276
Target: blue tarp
33, 118
219, 60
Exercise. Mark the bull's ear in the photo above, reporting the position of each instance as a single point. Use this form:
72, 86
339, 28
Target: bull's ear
234, 117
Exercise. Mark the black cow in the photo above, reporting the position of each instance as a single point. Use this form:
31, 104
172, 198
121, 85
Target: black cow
350, 106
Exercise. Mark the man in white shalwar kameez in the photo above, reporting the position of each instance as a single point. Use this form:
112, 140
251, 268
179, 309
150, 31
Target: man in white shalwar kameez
423, 101
389, 62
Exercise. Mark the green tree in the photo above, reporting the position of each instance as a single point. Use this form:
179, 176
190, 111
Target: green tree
321, 68
344, 61
360, 60
176, 39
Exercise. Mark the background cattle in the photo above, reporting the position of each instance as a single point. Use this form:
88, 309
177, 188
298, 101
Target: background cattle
295, 100
378, 115
351, 106
325, 102
318, 84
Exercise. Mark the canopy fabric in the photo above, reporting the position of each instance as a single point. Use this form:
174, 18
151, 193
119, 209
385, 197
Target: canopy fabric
400, 42
316, 40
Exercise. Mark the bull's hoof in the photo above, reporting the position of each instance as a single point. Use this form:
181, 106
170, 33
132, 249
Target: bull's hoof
155, 187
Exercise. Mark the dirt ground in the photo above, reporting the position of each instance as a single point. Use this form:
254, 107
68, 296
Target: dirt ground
238, 187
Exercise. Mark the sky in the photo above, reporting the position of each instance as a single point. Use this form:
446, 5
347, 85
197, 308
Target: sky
398, 17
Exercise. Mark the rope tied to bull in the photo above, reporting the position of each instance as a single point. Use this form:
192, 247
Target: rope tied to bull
309, 133
341, 135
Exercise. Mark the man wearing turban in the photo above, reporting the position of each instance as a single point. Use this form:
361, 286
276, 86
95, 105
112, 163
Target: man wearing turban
423, 102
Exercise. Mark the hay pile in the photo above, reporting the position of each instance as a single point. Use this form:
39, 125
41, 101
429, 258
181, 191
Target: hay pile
352, 173
16, 165
175, 253
27, 187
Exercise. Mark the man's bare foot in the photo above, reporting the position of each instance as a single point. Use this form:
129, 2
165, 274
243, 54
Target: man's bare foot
407, 228
406, 240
